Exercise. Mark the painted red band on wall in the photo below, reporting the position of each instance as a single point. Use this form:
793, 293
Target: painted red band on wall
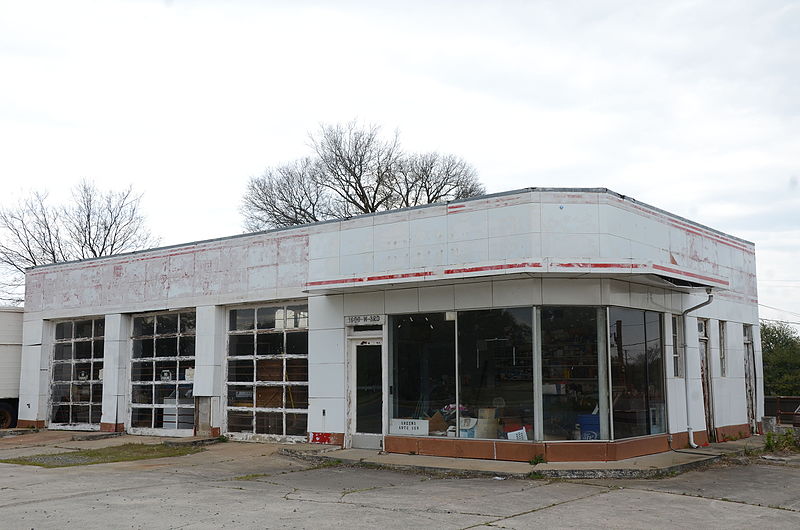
601, 265
333, 282
504, 266
690, 274
399, 276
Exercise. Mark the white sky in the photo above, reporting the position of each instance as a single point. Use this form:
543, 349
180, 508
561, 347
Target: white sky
690, 106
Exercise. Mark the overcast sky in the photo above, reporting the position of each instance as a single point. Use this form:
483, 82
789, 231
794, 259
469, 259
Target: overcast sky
690, 106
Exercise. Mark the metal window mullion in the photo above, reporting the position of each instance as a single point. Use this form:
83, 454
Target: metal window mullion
610, 378
458, 381
538, 404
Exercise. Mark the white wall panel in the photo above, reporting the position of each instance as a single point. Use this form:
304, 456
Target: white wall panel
516, 247
333, 418
402, 301
570, 218
507, 293
513, 220
428, 255
326, 380
323, 245
462, 252
570, 245
467, 226
364, 303
355, 240
353, 264
436, 298
473, 295
326, 346
428, 231
564, 291
326, 312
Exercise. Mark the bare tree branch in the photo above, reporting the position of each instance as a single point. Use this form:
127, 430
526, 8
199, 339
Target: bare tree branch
355, 170
94, 224
285, 196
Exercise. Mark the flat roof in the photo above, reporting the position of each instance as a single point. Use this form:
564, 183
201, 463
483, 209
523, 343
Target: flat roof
386, 212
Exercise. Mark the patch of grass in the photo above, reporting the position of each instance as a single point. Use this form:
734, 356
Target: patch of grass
251, 476
781, 442
328, 463
119, 453
536, 475
538, 459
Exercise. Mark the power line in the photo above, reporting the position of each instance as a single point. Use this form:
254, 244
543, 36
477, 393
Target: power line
780, 321
779, 309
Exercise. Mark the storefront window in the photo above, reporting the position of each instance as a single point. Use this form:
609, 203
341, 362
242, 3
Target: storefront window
495, 351
571, 368
423, 376
637, 372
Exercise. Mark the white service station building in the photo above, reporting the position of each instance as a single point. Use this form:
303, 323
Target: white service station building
577, 324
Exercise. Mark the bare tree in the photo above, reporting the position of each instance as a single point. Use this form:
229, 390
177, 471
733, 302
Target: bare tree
358, 167
104, 223
284, 196
435, 177
354, 170
94, 224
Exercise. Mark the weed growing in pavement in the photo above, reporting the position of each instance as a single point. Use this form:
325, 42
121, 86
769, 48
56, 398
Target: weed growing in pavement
781, 442
538, 459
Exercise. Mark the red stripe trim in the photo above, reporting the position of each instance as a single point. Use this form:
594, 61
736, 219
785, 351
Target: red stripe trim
690, 274
493, 268
601, 265
333, 282
398, 276
456, 206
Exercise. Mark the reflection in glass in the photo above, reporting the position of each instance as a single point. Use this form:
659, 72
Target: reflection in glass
637, 372
369, 389
423, 375
495, 349
570, 374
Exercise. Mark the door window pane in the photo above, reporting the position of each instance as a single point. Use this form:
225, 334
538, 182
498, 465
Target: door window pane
369, 389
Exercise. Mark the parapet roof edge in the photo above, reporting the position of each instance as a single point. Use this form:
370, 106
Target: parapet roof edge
387, 212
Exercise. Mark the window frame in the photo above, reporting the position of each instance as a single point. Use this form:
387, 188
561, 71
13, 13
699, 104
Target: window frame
181, 410
94, 380
285, 383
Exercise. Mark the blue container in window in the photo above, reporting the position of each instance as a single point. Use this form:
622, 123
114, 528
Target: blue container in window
590, 426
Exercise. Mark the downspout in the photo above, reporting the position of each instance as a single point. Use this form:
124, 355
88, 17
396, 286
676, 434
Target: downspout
686, 363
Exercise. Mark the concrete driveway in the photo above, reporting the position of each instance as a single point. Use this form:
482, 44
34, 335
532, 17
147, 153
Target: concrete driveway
240, 485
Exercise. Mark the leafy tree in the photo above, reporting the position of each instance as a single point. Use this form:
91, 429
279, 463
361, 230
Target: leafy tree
780, 347
95, 223
354, 170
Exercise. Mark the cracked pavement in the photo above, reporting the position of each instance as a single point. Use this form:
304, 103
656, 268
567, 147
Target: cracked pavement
248, 485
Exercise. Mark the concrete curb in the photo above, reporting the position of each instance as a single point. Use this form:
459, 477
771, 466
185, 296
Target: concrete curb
193, 441
95, 436
17, 431
328, 455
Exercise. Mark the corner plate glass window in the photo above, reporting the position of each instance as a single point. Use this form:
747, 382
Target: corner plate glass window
637, 372
162, 370
76, 389
267, 370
